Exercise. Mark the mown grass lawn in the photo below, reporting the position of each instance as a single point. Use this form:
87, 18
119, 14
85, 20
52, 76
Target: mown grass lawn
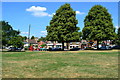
76, 64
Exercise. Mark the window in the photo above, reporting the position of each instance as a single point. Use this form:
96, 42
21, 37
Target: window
77, 42
70, 42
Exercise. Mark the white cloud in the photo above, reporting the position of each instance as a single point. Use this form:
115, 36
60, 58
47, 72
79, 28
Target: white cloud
24, 32
36, 8
38, 11
80, 13
116, 27
40, 14
51, 14
44, 33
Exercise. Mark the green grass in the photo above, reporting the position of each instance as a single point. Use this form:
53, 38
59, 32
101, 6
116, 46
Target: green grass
60, 64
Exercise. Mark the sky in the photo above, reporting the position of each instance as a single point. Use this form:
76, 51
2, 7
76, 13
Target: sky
59, 0
38, 14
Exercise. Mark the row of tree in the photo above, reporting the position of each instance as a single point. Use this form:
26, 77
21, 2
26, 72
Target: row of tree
11, 37
63, 28
97, 26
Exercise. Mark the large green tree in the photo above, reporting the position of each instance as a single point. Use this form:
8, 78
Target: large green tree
63, 26
98, 25
118, 37
16, 42
9, 34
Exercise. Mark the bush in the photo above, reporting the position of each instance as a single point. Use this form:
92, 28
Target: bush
26, 48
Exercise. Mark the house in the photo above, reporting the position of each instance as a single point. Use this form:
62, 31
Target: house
81, 44
53, 44
29, 42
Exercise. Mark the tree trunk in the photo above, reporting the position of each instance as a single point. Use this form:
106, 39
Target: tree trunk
68, 45
97, 44
62, 46
53, 44
106, 43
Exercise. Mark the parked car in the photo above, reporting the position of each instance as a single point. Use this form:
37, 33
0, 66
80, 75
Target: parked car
105, 48
116, 47
89, 48
75, 49
15, 49
43, 49
55, 49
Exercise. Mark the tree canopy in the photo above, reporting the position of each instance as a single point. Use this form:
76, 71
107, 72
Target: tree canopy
32, 37
24, 38
9, 34
42, 39
63, 25
16, 42
98, 25
118, 37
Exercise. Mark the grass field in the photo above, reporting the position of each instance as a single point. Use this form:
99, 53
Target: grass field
67, 64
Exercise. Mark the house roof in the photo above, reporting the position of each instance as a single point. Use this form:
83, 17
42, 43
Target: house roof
33, 41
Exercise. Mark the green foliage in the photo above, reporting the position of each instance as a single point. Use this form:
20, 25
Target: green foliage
118, 37
32, 37
42, 39
26, 48
16, 42
10, 36
63, 25
36, 46
43, 45
118, 33
98, 24
24, 37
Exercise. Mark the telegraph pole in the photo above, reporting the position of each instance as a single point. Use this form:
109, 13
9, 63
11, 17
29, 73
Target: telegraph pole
29, 32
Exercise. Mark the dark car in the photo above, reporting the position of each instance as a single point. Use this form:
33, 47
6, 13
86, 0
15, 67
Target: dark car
14, 49
55, 49
105, 48
89, 48
75, 49
116, 47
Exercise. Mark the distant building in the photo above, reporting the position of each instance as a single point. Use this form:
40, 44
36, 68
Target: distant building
29, 42
53, 44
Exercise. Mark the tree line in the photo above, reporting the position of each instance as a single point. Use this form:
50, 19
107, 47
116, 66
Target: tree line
97, 26
63, 28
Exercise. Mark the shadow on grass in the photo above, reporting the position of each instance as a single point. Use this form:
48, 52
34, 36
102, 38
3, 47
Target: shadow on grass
13, 51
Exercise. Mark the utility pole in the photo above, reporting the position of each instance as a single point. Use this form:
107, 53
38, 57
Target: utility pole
29, 32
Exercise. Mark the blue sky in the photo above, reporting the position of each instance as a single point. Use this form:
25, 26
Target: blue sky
59, 0
39, 14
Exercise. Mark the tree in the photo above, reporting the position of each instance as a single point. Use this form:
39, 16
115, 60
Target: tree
16, 42
7, 33
63, 26
32, 37
24, 37
43, 45
98, 25
42, 39
118, 33
118, 37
